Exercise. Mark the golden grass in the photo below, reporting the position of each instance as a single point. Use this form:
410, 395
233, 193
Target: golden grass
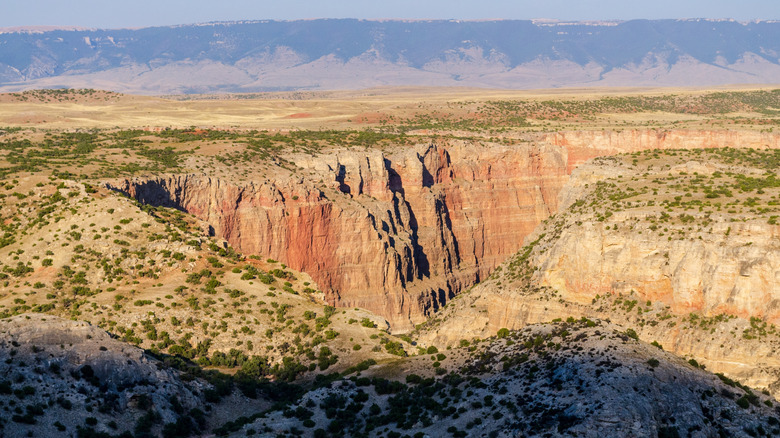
293, 110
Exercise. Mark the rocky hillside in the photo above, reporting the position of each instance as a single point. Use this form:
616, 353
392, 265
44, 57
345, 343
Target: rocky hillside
679, 245
60, 377
569, 378
582, 378
154, 278
271, 56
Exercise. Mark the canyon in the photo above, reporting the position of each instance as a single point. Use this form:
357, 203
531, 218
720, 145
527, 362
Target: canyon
643, 241
423, 264
401, 232
397, 234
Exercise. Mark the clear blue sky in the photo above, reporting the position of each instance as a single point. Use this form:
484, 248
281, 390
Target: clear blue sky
140, 13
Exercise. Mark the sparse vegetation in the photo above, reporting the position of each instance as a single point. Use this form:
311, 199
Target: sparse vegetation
78, 246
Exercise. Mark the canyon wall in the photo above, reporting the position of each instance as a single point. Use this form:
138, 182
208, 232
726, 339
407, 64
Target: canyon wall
399, 233
698, 274
734, 268
584, 145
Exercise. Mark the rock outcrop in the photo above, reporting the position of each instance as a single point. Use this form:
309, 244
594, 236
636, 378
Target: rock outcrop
401, 232
696, 234
681, 247
734, 270
583, 378
584, 145
68, 371
397, 234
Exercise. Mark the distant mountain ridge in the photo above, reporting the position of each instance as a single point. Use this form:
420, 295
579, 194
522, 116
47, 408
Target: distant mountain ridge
350, 53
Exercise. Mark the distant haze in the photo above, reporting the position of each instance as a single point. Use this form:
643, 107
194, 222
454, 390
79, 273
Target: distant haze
106, 14
350, 54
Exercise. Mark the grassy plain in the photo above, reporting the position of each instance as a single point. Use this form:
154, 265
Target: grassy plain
542, 109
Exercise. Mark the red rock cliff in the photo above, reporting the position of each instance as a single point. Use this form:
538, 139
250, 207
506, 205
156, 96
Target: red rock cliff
401, 233
397, 234
584, 145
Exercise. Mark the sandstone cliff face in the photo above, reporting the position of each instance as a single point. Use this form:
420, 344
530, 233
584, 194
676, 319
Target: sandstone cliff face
701, 273
397, 234
584, 145
734, 270
669, 242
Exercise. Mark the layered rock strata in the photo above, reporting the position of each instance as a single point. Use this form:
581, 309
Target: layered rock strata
397, 234
584, 145
683, 248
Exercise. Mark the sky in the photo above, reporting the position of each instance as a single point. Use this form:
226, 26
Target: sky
107, 14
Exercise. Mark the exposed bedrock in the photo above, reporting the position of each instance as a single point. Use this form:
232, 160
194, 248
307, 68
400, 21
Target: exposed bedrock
397, 234
400, 233
584, 145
